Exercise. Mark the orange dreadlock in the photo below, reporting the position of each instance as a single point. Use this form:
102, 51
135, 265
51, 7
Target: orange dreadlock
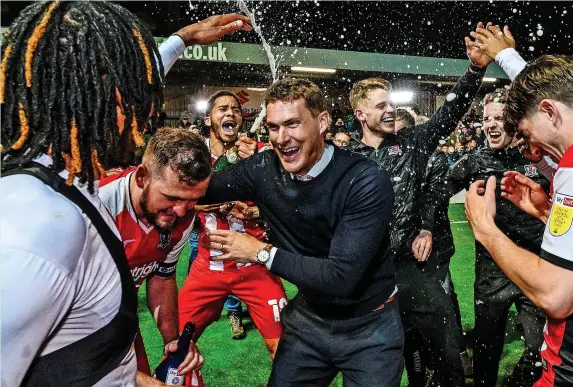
24, 127
35, 39
3, 71
98, 169
145, 52
139, 141
73, 162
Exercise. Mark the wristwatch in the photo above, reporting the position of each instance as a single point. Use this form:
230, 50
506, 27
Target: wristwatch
264, 254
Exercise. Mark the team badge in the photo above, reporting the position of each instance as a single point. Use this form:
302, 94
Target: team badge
164, 239
561, 215
394, 150
531, 170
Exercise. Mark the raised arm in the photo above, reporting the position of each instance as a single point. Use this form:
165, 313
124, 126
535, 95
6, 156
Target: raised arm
458, 100
206, 31
500, 46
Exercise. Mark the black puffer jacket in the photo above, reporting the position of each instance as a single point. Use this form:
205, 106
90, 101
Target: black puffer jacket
525, 230
434, 208
405, 156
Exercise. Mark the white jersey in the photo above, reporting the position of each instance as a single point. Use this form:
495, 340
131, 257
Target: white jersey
58, 280
557, 246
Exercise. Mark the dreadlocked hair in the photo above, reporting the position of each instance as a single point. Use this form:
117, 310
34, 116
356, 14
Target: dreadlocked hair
67, 69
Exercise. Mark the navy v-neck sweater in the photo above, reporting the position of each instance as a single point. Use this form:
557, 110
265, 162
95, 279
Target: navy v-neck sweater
331, 232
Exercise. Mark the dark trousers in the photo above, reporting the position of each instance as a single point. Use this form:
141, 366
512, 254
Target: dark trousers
430, 322
494, 295
312, 350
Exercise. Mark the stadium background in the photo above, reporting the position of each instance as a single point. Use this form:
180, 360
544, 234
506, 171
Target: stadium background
246, 362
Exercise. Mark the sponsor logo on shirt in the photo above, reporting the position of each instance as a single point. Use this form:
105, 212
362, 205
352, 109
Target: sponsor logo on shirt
531, 170
164, 240
142, 271
394, 150
561, 214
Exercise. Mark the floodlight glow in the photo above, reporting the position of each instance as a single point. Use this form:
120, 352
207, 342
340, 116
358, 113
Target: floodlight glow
201, 105
313, 70
400, 97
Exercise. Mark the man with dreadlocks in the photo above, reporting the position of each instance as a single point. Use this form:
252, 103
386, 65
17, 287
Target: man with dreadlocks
77, 81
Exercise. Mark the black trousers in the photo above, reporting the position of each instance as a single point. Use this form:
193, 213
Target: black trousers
430, 321
494, 295
312, 350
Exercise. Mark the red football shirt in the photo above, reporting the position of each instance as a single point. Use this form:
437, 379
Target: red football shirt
148, 249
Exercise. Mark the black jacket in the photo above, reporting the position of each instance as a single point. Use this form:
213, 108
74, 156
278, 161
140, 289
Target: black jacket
405, 155
525, 230
434, 208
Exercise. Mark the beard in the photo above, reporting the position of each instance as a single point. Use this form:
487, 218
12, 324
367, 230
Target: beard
148, 215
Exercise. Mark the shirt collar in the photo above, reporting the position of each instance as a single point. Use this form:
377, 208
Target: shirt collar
319, 166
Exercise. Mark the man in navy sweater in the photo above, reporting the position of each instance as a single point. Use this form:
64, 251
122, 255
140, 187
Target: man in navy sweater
328, 210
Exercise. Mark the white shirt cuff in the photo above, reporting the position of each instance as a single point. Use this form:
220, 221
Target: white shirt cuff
510, 61
269, 263
170, 50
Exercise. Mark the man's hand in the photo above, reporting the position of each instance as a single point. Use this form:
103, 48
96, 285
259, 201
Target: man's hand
214, 28
477, 56
246, 146
236, 246
492, 40
193, 361
481, 208
526, 194
534, 156
243, 211
422, 246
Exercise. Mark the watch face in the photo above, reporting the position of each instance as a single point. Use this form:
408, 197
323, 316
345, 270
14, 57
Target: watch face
263, 256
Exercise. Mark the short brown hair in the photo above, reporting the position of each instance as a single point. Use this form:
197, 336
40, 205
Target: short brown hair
291, 89
361, 88
183, 151
547, 77
498, 95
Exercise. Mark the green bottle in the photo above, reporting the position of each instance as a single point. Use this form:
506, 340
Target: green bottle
230, 157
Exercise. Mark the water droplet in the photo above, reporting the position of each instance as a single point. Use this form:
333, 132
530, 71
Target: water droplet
539, 32
451, 96
531, 48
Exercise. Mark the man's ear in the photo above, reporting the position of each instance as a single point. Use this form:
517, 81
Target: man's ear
324, 121
359, 114
142, 175
208, 120
548, 108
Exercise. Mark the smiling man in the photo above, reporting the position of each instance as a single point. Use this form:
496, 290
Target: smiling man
494, 292
540, 105
405, 155
328, 211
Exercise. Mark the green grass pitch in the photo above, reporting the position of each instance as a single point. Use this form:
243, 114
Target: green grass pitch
246, 362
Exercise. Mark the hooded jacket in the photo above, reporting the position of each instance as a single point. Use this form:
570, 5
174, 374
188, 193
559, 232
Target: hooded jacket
405, 156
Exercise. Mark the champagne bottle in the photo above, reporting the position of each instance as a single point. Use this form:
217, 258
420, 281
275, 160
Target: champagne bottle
166, 371
230, 156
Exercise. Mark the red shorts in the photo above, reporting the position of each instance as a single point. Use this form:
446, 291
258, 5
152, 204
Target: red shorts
204, 292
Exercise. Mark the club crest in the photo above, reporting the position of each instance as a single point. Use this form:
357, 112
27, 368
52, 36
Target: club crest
531, 170
164, 239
